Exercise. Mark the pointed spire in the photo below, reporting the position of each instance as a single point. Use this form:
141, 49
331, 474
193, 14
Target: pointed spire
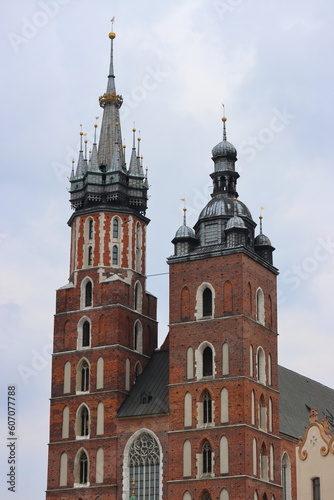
72, 170
93, 161
111, 103
81, 162
134, 166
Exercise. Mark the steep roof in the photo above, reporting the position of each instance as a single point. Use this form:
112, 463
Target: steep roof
298, 394
149, 395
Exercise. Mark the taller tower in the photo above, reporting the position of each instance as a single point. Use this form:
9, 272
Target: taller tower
105, 328
223, 390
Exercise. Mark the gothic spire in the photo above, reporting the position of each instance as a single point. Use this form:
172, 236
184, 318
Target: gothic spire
111, 103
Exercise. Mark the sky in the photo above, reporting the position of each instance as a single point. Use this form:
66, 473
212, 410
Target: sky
176, 62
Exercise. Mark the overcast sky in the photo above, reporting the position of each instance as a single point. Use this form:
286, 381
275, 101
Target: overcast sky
271, 63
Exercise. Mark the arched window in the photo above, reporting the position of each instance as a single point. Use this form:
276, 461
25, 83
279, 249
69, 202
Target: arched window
269, 370
260, 306
99, 373
66, 422
138, 337
224, 406
86, 334
115, 228
261, 366
99, 466
264, 463
63, 470
207, 408
83, 421
83, 376
88, 294
207, 362
207, 458
67, 377
100, 419
316, 488
253, 408
270, 415
190, 363
138, 370
254, 457
207, 302
143, 463
262, 414
115, 255
83, 468
271, 463
224, 465
286, 477
186, 496
224, 495
90, 256
188, 410
90, 229
226, 364
187, 458
138, 297
251, 361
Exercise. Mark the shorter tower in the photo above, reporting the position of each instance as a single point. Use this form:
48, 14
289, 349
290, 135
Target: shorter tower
223, 391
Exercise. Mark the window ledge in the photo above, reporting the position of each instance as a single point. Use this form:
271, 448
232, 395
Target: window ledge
79, 438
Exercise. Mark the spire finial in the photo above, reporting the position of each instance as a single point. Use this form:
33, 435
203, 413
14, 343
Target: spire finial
95, 128
261, 217
112, 35
184, 211
224, 119
134, 136
138, 139
81, 134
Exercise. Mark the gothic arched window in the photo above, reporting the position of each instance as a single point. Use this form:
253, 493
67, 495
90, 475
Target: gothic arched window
90, 229
90, 256
115, 255
260, 306
83, 376
115, 228
84, 421
286, 477
88, 294
207, 302
83, 468
207, 408
144, 463
207, 362
207, 458
86, 334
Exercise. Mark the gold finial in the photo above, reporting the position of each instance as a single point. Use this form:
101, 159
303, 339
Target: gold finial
124, 146
116, 124
112, 35
224, 119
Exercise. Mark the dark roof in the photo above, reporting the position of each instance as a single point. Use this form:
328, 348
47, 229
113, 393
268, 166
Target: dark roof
298, 394
151, 386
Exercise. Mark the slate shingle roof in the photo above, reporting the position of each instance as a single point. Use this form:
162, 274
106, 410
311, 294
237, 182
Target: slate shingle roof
297, 395
152, 384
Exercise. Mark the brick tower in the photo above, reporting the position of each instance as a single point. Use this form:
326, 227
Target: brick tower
223, 392
105, 324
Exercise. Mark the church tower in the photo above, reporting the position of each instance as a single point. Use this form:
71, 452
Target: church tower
223, 392
105, 329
